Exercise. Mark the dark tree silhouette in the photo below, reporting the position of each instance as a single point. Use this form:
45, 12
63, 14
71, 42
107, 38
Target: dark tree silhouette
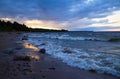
9, 26
17, 27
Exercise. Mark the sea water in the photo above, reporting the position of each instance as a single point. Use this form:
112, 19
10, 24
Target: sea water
85, 50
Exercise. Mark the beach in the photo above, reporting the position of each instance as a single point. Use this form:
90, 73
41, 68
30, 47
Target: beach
22, 60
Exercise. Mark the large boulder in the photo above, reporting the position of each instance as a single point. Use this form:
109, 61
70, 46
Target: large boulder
43, 51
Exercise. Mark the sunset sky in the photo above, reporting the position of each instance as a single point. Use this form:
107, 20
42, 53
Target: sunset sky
88, 15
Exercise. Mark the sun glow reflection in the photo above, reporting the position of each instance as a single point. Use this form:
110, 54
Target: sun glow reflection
31, 53
29, 46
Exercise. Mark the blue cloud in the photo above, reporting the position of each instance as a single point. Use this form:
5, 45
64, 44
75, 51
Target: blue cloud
61, 9
58, 10
16, 8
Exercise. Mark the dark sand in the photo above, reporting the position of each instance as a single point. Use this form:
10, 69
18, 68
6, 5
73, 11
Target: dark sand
14, 65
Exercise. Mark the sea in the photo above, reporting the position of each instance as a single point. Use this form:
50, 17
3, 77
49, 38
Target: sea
98, 51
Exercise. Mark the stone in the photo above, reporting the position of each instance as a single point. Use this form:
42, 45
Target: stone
43, 51
114, 39
42, 44
22, 58
92, 70
52, 68
9, 51
24, 38
67, 51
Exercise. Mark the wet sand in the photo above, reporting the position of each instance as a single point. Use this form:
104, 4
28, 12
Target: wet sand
20, 60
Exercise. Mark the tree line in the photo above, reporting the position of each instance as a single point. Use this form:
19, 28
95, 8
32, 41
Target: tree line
8, 26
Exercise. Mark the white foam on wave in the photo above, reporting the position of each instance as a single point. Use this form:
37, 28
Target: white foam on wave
67, 37
101, 62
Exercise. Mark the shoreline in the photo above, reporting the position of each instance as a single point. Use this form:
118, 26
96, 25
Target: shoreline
37, 65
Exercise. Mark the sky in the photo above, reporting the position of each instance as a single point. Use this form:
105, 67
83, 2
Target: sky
74, 15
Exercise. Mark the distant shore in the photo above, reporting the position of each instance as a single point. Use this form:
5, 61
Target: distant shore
8, 26
20, 60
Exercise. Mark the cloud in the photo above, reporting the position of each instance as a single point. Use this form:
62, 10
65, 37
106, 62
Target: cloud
111, 20
17, 8
68, 14
69, 9
44, 24
6, 19
95, 8
105, 28
57, 9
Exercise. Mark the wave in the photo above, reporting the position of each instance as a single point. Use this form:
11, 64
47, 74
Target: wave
99, 62
67, 37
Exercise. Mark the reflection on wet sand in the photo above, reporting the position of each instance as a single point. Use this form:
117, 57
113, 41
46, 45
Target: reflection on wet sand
32, 54
29, 46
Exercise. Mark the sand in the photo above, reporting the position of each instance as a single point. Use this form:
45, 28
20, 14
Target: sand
20, 60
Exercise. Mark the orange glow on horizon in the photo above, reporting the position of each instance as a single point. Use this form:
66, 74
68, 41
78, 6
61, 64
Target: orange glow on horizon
41, 24
6, 19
